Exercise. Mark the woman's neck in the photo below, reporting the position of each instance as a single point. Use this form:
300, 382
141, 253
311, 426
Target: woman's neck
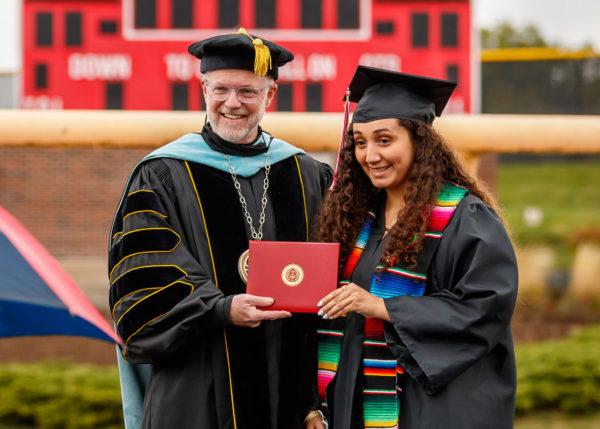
393, 204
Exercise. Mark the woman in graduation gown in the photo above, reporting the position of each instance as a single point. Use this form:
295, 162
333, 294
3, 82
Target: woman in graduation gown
418, 334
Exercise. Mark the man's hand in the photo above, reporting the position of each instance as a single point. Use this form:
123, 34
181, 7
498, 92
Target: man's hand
245, 310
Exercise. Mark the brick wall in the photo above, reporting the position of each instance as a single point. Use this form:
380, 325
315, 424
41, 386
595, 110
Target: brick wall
66, 197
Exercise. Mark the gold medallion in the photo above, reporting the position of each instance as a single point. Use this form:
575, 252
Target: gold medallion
292, 275
243, 265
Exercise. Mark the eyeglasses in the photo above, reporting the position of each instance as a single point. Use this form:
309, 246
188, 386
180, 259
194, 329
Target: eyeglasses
246, 94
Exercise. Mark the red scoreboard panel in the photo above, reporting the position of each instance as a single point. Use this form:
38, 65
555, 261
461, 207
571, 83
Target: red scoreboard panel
132, 54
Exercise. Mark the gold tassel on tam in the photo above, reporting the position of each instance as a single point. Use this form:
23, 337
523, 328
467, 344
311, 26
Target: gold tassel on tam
262, 55
262, 58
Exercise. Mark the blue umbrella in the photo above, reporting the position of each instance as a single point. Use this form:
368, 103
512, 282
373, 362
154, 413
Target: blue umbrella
37, 297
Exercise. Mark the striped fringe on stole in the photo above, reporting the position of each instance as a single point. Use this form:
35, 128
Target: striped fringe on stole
383, 376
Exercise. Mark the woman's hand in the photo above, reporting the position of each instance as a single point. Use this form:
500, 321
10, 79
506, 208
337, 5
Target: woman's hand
350, 298
316, 423
315, 420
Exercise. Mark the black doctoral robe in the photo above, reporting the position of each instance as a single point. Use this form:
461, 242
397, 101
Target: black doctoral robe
454, 343
173, 268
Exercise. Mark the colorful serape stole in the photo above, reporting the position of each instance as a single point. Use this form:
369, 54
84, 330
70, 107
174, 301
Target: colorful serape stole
383, 376
330, 340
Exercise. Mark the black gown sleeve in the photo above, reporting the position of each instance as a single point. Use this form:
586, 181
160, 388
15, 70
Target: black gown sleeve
470, 297
161, 296
325, 176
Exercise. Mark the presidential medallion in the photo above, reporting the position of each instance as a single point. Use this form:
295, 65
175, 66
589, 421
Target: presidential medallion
292, 275
243, 265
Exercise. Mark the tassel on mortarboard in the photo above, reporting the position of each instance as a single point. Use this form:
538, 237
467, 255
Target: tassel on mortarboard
346, 115
262, 55
240, 51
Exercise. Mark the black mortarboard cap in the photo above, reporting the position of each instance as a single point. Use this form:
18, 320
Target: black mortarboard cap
382, 94
240, 51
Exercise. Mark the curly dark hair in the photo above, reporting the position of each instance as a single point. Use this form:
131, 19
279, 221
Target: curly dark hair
345, 208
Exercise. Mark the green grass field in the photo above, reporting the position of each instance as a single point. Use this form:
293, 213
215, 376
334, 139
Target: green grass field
551, 420
568, 193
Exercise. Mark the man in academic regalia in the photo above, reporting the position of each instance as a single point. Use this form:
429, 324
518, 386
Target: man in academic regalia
178, 249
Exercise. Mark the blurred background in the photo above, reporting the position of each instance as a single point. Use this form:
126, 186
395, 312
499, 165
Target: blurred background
534, 58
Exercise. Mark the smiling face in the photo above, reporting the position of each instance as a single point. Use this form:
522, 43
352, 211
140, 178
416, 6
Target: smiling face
384, 151
231, 119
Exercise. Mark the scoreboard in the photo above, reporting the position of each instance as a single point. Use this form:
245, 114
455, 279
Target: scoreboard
132, 54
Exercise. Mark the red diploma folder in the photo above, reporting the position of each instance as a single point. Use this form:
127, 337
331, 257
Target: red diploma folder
295, 274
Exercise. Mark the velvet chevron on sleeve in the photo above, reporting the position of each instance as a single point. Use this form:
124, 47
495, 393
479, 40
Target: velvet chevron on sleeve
155, 277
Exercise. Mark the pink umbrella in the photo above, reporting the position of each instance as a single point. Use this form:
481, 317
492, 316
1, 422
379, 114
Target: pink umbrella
37, 297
